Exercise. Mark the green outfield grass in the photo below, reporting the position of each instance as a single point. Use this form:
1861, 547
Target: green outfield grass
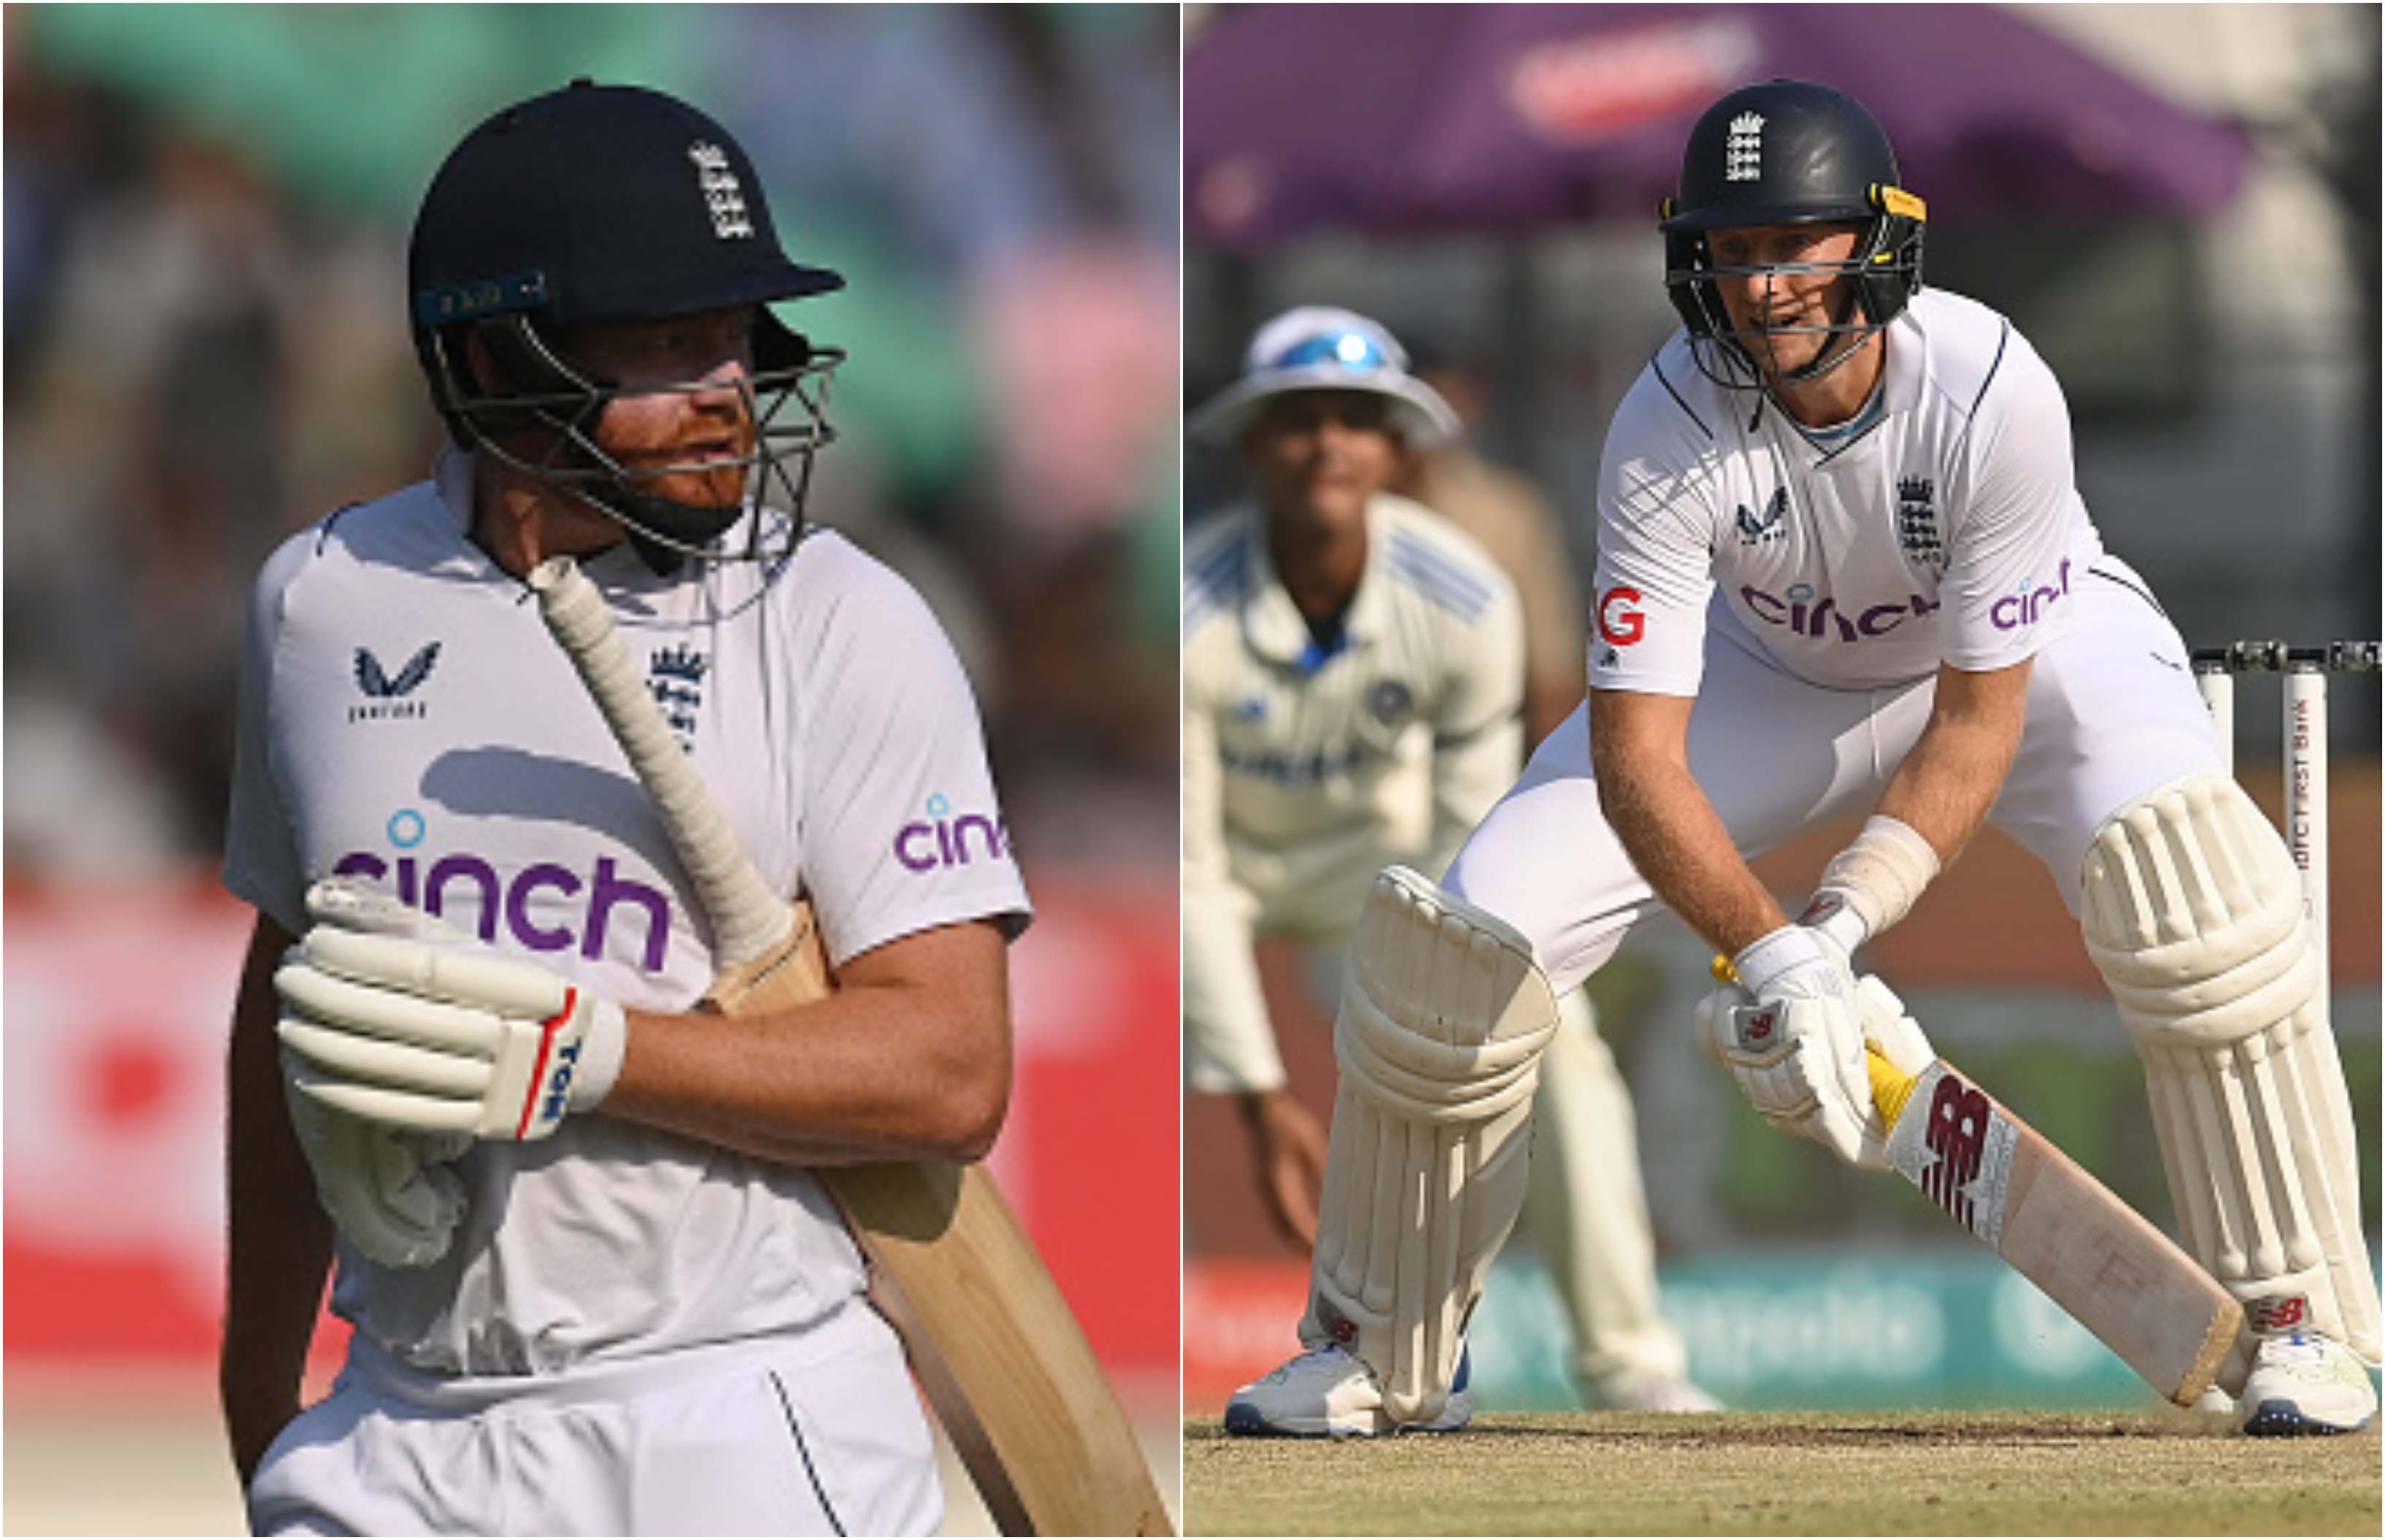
1790, 1474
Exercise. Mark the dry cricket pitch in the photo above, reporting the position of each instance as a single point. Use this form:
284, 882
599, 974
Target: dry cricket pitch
1790, 1474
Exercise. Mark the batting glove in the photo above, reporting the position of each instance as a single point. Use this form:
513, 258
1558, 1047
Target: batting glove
1889, 1032
1790, 1034
437, 1037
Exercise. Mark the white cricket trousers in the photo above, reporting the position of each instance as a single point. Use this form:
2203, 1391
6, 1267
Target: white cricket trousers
2113, 713
818, 1433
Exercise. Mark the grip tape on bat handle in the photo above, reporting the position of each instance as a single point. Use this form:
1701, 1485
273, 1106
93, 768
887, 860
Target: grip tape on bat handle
748, 919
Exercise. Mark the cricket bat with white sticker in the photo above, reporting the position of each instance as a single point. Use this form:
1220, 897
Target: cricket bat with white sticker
2110, 1268
993, 1344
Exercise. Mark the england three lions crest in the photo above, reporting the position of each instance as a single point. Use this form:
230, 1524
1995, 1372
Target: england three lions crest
675, 678
1916, 524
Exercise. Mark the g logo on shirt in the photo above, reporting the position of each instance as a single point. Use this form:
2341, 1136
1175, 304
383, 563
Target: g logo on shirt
1621, 621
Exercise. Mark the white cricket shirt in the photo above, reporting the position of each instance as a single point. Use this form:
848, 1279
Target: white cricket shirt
1309, 766
1945, 528
405, 718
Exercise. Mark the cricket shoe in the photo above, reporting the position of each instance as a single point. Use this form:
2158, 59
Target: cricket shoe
1637, 1390
2304, 1384
1327, 1393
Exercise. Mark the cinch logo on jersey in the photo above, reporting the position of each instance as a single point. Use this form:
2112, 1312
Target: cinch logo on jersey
2017, 610
1619, 620
384, 690
1799, 610
940, 839
433, 883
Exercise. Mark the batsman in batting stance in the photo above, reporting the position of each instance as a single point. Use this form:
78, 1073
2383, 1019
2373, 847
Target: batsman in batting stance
1354, 676
1843, 568
594, 1286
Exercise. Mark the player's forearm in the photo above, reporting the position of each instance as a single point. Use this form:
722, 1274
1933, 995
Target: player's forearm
1679, 843
882, 1069
280, 1240
1950, 779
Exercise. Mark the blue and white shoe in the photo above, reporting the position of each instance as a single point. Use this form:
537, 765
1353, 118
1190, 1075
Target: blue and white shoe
2305, 1384
1325, 1393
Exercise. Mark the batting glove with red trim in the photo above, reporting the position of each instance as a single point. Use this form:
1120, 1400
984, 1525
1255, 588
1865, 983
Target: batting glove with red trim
438, 1039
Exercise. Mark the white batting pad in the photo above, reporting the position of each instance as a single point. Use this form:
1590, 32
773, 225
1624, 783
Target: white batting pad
2192, 910
1443, 1018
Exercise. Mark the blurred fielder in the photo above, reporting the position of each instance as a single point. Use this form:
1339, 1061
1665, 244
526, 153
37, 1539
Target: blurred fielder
594, 1289
1842, 567
1352, 679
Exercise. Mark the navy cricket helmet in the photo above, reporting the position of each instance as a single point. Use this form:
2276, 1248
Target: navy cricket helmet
608, 203
1790, 153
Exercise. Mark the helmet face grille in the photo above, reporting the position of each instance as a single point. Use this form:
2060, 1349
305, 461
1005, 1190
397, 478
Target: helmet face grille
545, 427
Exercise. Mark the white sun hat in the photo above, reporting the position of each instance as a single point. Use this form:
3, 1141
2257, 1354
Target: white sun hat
1319, 347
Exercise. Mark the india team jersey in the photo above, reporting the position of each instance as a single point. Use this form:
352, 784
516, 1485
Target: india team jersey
1310, 764
405, 720
1942, 527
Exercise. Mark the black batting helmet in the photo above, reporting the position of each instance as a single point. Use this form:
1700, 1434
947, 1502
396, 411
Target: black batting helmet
1792, 153
605, 202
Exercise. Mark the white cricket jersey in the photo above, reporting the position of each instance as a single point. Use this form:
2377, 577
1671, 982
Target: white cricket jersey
405, 718
1943, 528
1309, 766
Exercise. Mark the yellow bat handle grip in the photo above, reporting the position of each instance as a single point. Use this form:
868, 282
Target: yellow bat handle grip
1891, 1087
